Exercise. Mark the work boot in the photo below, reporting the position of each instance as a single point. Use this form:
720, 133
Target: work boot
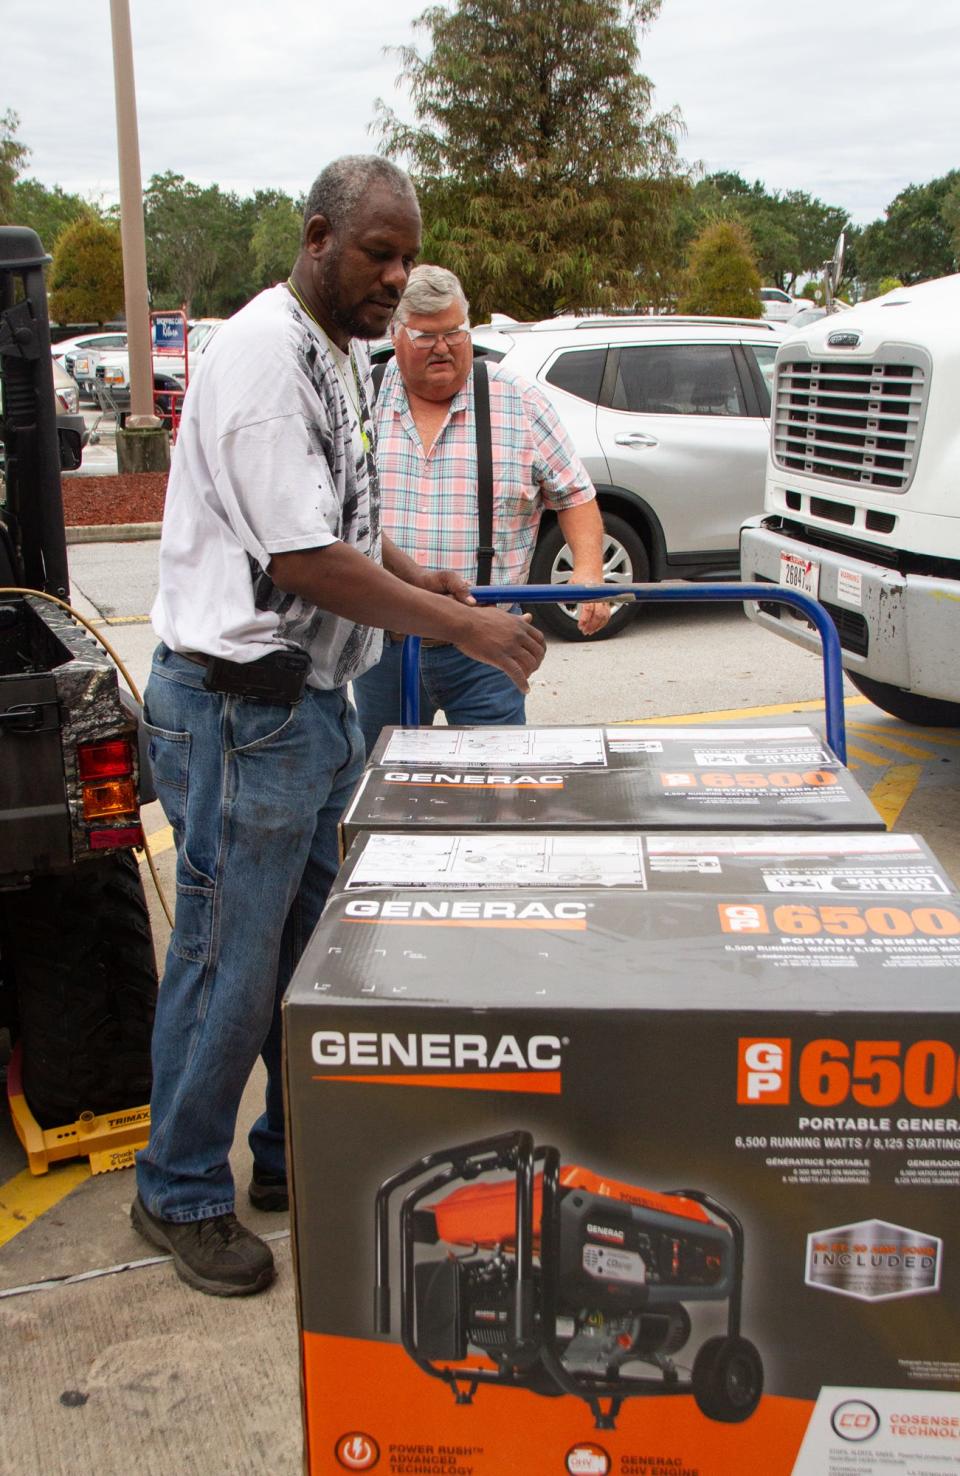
218, 1256
268, 1191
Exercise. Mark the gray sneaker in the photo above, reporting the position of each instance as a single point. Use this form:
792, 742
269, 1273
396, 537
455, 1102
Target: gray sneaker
218, 1256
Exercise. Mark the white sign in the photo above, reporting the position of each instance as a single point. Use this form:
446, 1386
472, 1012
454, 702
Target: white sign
878, 1432
850, 587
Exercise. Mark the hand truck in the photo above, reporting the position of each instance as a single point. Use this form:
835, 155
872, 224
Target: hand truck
575, 594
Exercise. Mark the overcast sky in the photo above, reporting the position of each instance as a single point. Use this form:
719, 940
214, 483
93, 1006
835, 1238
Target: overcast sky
850, 100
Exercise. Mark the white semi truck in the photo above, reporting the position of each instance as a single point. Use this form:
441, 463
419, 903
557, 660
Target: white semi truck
862, 495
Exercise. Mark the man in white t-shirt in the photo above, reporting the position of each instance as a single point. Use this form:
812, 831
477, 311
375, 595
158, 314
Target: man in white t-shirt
275, 587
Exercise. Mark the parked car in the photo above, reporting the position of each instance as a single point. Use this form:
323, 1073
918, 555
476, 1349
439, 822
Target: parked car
66, 391
778, 305
200, 332
670, 416
813, 312
112, 371
79, 355
112, 385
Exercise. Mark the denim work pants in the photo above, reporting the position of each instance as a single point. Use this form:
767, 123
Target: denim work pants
253, 792
469, 693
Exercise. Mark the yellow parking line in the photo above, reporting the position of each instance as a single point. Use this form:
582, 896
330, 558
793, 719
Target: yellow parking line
890, 794
878, 759
27, 1196
883, 740
930, 735
729, 713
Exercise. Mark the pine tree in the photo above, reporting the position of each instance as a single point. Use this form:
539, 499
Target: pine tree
722, 276
546, 181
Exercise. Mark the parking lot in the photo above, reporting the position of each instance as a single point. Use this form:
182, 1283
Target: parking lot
112, 1364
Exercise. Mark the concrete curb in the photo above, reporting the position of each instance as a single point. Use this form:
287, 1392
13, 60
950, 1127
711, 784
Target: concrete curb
114, 533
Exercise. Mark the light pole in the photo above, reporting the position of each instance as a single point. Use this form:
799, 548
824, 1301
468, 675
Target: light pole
142, 449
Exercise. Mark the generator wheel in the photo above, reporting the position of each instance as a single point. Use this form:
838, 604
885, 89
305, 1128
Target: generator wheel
727, 1379
80, 952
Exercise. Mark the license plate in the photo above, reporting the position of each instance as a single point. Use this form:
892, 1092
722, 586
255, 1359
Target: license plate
798, 573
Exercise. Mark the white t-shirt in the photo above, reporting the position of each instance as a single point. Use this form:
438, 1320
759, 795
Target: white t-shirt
269, 458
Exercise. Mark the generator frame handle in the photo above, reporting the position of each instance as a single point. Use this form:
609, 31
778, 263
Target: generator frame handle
514, 1151
735, 1299
673, 593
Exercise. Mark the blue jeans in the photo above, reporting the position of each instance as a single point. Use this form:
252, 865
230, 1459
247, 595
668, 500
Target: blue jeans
253, 793
469, 693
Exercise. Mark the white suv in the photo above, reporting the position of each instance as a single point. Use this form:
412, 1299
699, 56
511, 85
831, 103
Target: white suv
670, 416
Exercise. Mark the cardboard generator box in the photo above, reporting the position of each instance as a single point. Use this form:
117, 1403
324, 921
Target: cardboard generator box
632, 1154
619, 778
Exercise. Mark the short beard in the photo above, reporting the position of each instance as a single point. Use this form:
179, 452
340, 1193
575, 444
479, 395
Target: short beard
344, 318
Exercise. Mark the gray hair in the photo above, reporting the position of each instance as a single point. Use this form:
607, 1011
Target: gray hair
337, 190
429, 290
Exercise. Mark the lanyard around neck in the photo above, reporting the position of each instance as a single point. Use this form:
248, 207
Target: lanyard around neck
364, 438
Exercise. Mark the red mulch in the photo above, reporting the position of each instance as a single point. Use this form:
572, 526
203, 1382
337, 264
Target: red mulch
133, 497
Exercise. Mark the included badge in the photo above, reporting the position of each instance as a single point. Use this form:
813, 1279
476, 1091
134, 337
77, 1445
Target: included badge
874, 1261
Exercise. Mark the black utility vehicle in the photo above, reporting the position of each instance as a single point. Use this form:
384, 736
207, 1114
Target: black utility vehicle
77, 973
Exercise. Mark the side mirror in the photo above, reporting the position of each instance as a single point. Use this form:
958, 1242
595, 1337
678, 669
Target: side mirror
71, 448
833, 270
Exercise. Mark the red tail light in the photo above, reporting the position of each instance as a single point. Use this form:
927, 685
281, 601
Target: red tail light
105, 760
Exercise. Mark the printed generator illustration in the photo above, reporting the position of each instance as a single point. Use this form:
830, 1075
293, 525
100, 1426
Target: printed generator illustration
562, 1280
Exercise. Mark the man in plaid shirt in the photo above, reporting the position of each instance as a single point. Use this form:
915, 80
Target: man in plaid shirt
427, 462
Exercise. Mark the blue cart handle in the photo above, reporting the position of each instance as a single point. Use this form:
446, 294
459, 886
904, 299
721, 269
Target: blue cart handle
576, 594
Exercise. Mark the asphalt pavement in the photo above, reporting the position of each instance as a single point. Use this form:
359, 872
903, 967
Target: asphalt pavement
113, 1366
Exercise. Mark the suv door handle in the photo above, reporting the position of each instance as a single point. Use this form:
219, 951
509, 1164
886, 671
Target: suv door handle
635, 438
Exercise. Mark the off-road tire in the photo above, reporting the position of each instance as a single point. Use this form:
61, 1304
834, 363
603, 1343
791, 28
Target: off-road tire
80, 952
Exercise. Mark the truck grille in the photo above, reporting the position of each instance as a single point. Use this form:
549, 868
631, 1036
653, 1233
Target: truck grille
849, 420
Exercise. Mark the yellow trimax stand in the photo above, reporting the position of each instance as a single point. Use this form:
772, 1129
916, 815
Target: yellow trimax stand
109, 1140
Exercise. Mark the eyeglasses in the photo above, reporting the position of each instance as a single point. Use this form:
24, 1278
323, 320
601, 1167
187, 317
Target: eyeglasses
426, 341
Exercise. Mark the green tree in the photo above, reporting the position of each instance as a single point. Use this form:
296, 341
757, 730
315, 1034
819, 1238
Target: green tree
86, 279
13, 156
276, 236
916, 240
950, 210
792, 234
198, 245
562, 197
885, 285
722, 276
47, 211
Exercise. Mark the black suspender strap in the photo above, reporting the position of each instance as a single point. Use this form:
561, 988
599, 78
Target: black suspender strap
481, 414
376, 374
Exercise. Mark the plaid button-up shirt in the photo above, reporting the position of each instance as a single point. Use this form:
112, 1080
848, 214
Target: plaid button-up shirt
429, 500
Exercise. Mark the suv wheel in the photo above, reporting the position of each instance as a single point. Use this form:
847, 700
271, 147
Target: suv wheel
625, 561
